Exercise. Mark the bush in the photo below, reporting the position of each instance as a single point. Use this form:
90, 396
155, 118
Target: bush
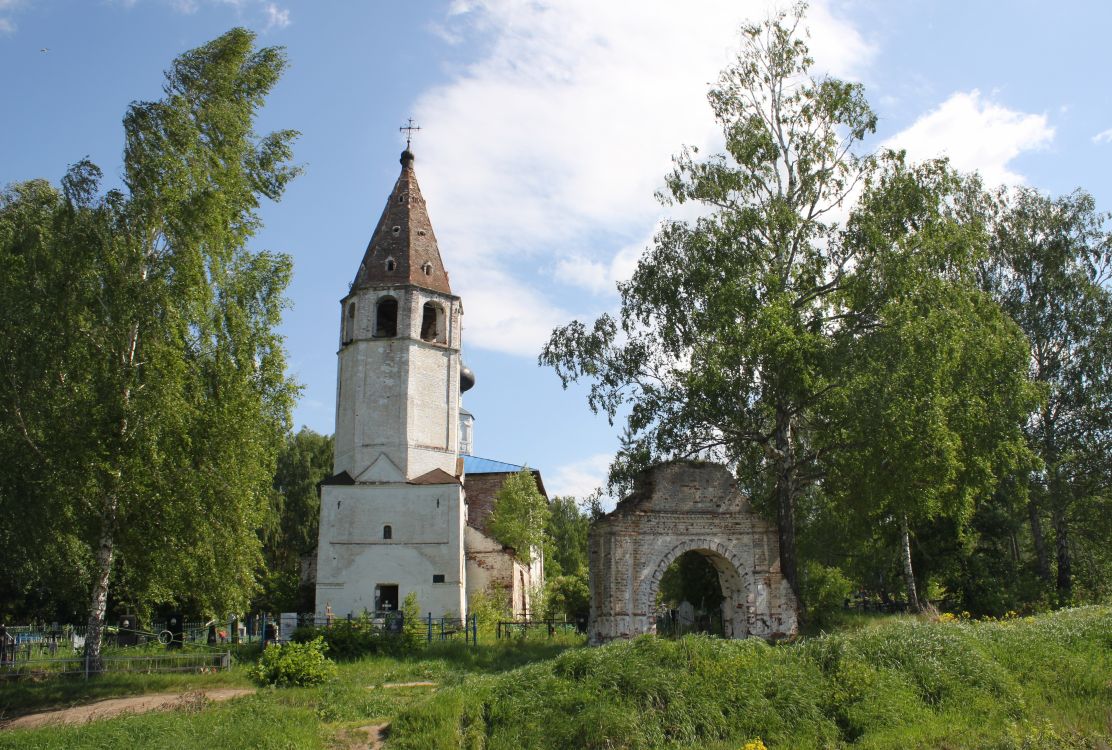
568, 596
414, 631
294, 664
489, 606
825, 591
353, 639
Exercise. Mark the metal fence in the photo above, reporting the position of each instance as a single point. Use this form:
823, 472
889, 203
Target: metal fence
671, 623
448, 628
205, 661
520, 628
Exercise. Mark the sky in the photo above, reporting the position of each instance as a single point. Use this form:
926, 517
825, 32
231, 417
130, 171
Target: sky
546, 128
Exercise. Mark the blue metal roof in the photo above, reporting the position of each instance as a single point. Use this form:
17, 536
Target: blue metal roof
476, 465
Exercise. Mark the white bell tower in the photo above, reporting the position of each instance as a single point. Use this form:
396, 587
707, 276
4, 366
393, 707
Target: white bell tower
392, 514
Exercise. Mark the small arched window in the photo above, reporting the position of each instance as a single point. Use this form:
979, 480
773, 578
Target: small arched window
349, 323
432, 323
427, 268
391, 264
386, 318
387, 532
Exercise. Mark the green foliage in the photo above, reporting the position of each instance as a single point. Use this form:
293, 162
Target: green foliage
351, 639
146, 397
565, 551
825, 590
520, 515
290, 527
904, 683
827, 343
489, 606
692, 578
568, 596
1050, 266
414, 629
294, 664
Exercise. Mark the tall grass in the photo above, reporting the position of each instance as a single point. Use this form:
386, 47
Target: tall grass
907, 683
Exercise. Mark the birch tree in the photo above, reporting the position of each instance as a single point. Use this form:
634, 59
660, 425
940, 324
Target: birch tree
151, 387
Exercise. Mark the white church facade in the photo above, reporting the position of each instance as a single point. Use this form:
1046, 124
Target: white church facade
407, 505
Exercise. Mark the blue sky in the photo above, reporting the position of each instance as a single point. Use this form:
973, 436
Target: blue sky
546, 128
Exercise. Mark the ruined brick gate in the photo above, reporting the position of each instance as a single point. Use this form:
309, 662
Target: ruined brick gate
679, 507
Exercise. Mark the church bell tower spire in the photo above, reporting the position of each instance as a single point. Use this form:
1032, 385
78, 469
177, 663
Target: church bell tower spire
397, 403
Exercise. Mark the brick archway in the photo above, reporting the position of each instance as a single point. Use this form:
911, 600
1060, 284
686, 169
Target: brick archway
680, 507
735, 580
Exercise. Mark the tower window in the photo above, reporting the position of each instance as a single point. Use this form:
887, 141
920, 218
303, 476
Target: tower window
396, 231
386, 318
427, 268
349, 324
390, 264
432, 323
387, 532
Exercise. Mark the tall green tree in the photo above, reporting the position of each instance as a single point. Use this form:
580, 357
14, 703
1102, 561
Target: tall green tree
565, 538
1050, 269
149, 389
520, 515
742, 333
292, 522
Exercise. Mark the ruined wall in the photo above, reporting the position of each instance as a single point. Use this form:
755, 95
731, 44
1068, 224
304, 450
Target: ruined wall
679, 507
492, 568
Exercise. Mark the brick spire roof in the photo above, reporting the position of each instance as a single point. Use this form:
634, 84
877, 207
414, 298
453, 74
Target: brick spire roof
404, 237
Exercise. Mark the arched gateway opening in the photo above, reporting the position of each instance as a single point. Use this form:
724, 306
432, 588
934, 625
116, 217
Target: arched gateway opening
680, 509
691, 593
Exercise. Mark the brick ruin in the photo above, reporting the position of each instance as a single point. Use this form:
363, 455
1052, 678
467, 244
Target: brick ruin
675, 508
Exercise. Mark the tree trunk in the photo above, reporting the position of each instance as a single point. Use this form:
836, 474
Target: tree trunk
1041, 560
785, 503
94, 634
908, 571
1065, 567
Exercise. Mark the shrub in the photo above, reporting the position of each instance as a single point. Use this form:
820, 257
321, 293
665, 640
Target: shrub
352, 639
825, 590
414, 631
294, 664
489, 606
568, 595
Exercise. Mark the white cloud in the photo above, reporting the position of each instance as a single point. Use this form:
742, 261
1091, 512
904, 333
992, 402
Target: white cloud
1104, 136
591, 275
579, 478
7, 25
504, 313
276, 18
549, 148
976, 134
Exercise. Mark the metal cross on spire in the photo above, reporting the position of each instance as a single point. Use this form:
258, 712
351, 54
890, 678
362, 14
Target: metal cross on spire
408, 129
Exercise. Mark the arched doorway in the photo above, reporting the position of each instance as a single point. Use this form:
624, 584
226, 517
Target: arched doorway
690, 597
732, 585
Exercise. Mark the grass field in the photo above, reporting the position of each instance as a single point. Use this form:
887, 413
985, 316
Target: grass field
894, 682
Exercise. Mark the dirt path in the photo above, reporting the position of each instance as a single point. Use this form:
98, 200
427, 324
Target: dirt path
376, 735
135, 704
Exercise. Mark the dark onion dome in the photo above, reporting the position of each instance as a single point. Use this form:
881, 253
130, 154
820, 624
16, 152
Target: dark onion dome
466, 378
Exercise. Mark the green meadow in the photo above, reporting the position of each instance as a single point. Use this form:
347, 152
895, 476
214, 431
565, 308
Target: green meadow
887, 682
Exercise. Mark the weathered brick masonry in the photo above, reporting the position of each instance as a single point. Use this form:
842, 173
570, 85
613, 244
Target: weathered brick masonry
679, 507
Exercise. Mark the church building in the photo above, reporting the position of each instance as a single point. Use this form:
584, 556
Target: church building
407, 506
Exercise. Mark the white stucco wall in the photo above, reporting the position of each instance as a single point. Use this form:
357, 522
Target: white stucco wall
399, 396
427, 523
